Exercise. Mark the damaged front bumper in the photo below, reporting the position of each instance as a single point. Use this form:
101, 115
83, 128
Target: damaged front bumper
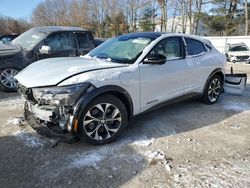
51, 111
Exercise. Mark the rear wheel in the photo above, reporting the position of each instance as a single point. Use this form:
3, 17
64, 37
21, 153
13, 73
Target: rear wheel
7, 80
213, 90
103, 120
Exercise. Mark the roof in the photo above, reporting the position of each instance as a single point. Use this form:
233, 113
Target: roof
50, 29
237, 44
152, 35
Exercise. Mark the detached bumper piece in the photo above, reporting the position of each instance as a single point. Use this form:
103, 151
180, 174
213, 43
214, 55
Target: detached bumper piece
235, 83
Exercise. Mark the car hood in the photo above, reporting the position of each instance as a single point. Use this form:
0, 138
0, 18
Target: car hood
6, 50
239, 53
52, 71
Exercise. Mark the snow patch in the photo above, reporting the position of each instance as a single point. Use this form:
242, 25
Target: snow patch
156, 155
28, 139
144, 142
16, 121
89, 159
92, 157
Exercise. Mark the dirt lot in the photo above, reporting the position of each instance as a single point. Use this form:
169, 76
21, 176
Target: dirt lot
188, 144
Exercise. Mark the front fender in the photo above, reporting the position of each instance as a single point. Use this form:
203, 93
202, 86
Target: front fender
94, 92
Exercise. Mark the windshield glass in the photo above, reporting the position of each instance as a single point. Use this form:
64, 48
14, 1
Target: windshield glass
29, 39
238, 48
123, 49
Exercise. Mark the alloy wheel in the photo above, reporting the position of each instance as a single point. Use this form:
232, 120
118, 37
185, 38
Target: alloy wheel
214, 90
7, 78
102, 121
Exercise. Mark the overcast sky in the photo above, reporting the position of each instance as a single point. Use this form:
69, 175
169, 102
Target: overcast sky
18, 8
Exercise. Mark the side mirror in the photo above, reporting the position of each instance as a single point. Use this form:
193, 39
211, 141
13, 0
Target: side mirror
45, 50
155, 59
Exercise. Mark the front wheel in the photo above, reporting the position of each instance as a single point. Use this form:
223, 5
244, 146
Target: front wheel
103, 120
7, 80
213, 90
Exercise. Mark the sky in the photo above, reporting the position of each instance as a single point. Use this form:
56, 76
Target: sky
18, 8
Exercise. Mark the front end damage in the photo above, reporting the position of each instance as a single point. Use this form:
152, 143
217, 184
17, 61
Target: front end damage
51, 110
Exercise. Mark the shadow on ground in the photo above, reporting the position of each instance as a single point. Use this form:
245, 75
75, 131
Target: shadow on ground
8, 95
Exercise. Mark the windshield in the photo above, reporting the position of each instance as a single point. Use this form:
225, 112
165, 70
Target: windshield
29, 39
238, 48
123, 49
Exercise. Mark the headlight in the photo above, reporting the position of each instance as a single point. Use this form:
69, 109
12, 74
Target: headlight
66, 94
232, 57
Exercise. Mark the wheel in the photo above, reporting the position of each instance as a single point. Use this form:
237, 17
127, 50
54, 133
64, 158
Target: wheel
213, 90
103, 120
7, 80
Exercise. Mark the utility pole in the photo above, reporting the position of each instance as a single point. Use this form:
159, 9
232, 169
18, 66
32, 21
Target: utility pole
246, 18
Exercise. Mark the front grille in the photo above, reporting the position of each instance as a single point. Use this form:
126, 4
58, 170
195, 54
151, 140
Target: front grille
245, 57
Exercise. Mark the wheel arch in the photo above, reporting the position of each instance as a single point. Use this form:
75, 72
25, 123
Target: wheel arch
217, 71
117, 91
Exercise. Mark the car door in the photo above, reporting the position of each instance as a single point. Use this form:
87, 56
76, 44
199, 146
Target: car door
85, 42
197, 68
62, 44
159, 83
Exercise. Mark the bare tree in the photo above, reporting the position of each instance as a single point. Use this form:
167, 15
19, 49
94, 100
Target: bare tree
163, 6
9, 25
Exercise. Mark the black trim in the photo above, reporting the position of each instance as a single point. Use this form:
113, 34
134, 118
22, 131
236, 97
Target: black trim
216, 71
89, 96
87, 71
182, 98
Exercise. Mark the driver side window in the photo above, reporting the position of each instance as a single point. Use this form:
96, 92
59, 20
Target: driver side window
169, 47
60, 42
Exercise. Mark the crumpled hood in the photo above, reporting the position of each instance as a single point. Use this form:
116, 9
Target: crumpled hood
52, 71
6, 50
239, 53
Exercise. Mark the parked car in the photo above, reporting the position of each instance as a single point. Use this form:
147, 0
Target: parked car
40, 43
6, 39
237, 53
94, 97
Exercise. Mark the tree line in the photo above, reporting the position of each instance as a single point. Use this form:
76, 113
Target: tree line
107, 18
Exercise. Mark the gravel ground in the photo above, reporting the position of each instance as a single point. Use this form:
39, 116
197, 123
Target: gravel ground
187, 144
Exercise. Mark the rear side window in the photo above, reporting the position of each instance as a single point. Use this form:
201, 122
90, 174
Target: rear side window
83, 40
194, 47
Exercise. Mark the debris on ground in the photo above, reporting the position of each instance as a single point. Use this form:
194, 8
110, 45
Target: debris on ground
158, 156
19, 121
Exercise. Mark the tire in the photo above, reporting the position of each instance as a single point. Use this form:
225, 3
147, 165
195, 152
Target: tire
103, 120
213, 90
7, 81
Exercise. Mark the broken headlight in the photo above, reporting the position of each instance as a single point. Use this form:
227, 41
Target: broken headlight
64, 95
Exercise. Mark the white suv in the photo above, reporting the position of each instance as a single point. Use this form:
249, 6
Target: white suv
93, 97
